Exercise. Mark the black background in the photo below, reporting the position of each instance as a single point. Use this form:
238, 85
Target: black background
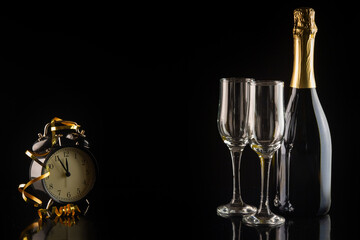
143, 80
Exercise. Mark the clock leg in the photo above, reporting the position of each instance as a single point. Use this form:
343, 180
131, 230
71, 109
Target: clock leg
88, 205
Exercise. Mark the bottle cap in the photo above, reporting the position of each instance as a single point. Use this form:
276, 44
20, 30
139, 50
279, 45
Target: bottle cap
304, 21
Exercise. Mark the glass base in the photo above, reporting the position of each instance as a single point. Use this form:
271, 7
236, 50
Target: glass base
263, 219
230, 210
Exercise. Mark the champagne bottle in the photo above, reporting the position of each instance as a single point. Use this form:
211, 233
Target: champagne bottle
304, 159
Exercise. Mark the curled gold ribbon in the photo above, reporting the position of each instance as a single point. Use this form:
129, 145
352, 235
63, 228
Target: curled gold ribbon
34, 156
66, 210
66, 125
42, 212
26, 195
22, 187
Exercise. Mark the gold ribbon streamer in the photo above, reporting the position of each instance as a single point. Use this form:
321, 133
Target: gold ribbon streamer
66, 210
54, 128
22, 187
34, 156
64, 128
26, 195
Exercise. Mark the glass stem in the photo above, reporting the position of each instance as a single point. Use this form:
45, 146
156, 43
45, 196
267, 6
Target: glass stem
236, 153
265, 162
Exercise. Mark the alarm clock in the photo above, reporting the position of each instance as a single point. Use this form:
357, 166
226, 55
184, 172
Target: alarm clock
64, 152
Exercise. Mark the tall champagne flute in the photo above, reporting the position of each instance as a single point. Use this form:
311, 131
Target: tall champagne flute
266, 130
233, 127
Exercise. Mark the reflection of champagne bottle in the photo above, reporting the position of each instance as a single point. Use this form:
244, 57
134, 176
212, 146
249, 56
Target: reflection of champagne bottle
316, 228
304, 171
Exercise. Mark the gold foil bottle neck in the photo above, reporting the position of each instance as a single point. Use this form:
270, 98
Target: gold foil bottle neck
304, 22
304, 42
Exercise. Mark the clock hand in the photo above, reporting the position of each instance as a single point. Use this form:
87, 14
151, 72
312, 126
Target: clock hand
61, 163
67, 172
67, 168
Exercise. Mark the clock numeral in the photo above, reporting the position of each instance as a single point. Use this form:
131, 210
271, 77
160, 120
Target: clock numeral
66, 153
78, 191
59, 191
51, 166
51, 186
83, 162
68, 194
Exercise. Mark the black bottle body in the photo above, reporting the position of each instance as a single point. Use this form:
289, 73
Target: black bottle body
304, 159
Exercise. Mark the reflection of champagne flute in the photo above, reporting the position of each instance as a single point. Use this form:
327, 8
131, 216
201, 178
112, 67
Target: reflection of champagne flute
277, 174
236, 227
266, 125
233, 128
281, 199
282, 196
316, 228
264, 232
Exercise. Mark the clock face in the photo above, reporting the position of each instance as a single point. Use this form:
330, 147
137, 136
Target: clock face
72, 174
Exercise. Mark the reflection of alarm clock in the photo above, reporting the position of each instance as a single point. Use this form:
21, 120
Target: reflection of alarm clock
68, 228
83, 230
73, 169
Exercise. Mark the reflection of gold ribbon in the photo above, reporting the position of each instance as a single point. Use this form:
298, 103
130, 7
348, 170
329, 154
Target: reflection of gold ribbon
64, 211
30, 230
62, 216
34, 156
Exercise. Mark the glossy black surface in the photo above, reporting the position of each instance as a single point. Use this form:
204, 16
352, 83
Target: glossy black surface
143, 81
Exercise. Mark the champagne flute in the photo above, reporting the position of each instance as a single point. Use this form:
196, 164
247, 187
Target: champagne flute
266, 130
233, 127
